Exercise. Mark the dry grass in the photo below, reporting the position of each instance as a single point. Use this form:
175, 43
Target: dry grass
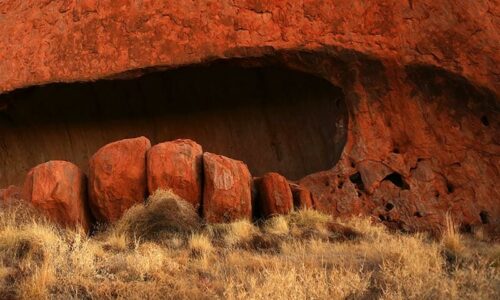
160, 250
163, 214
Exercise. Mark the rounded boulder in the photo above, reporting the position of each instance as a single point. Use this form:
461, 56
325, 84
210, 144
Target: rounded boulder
117, 178
58, 189
176, 166
227, 192
275, 195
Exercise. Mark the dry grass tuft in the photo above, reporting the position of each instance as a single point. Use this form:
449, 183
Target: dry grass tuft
164, 213
233, 234
200, 247
452, 240
277, 225
116, 241
308, 218
298, 256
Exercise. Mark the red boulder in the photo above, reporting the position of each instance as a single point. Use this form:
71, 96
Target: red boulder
275, 196
302, 198
58, 189
176, 166
227, 191
117, 178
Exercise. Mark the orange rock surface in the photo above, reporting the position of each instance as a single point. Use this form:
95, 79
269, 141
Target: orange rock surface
176, 165
58, 189
227, 189
302, 198
275, 196
117, 178
420, 80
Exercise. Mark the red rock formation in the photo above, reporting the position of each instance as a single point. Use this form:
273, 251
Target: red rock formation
224, 107
176, 165
227, 189
58, 189
420, 81
302, 198
275, 195
117, 178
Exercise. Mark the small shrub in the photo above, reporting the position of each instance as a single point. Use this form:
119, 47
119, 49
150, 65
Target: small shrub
163, 214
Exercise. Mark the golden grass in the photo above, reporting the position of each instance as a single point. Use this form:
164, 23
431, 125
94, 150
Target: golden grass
277, 225
163, 213
287, 257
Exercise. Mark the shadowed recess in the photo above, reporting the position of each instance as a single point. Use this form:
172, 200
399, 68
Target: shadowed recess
273, 119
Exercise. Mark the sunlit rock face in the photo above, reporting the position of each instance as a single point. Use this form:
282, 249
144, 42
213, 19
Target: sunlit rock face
388, 109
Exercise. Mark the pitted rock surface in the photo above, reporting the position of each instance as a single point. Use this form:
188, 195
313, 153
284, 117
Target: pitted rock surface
420, 79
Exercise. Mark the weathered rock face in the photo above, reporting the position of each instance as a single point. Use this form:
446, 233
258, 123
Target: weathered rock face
58, 189
176, 166
302, 198
227, 189
117, 178
419, 80
409, 162
275, 195
226, 108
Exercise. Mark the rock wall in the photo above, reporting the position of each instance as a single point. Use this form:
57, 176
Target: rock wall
420, 80
298, 121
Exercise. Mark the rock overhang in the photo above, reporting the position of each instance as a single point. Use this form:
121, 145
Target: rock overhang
254, 109
397, 129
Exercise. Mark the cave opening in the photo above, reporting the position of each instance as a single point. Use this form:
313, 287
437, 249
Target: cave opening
271, 117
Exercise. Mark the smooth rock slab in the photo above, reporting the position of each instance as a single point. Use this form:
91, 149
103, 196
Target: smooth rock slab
176, 166
117, 178
59, 190
227, 189
275, 195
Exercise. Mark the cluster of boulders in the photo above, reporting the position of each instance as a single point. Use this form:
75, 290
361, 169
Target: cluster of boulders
124, 173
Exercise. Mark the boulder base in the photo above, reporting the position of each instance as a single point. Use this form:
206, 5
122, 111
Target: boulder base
58, 189
227, 190
176, 166
274, 194
302, 198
